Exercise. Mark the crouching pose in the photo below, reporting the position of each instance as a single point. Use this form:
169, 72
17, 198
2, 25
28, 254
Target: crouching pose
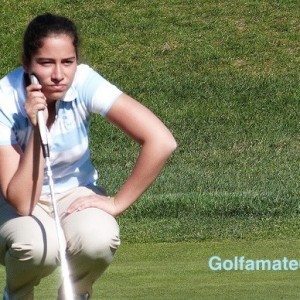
67, 93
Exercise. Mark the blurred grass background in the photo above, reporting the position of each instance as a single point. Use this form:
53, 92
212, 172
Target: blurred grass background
224, 76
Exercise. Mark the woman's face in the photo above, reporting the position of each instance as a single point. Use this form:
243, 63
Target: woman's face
54, 64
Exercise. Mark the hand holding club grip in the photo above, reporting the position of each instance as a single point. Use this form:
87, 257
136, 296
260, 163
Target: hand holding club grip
43, 133
42, 125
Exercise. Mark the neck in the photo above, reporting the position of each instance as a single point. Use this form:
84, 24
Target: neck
51, 113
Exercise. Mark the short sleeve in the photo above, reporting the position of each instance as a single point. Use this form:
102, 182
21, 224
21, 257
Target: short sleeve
14, 126
98, 93
7, 135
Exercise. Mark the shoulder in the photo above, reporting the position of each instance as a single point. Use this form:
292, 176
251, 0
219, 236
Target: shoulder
12, 81
83, 69
12, 92
95, 91
86, 78
85, 72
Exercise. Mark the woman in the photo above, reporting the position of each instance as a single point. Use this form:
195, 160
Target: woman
67, 93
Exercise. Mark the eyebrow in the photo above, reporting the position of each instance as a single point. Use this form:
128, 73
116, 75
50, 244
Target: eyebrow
51, 59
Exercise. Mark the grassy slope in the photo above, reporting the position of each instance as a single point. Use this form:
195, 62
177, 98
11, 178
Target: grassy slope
180, 271
224, 77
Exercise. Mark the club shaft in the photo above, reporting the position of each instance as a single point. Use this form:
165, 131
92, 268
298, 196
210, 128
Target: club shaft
65, 272
67, 286
43, 133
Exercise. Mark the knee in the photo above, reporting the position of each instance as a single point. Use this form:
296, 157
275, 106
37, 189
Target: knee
31, 244
97, 237
102, 247
27, 250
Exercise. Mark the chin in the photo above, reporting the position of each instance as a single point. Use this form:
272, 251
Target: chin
55, 96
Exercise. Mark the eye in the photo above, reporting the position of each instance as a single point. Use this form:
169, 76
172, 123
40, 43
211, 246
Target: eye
45, 63
68, 62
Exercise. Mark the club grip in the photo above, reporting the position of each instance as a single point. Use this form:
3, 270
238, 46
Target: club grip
43, 133
33, 79
41, 124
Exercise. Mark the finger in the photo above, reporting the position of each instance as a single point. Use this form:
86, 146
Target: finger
76, 205
36, 95
39, 106
33, 100
32, 110
78, 208
84, 202
33, 87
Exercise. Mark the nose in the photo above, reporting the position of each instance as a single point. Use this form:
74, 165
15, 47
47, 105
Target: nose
57, 73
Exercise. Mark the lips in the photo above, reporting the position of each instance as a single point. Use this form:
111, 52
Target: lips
57, 88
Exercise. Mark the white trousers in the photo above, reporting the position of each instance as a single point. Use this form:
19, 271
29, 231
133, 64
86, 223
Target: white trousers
29, 248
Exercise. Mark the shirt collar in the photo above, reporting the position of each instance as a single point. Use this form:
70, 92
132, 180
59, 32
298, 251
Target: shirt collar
71, 94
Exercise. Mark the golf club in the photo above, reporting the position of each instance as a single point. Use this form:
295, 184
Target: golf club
65, 273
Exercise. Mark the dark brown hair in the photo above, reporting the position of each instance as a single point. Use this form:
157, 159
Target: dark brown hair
41, 27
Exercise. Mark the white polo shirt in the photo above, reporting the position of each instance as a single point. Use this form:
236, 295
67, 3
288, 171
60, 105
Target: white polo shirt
68, 137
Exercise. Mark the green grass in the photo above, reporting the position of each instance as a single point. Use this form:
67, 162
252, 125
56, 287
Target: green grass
208, 228
225, 79
180, 271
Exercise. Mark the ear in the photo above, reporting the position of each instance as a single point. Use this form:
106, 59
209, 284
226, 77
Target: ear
26, 68
25, 64
27, 79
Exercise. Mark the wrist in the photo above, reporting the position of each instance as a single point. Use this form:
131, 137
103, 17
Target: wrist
117, 208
